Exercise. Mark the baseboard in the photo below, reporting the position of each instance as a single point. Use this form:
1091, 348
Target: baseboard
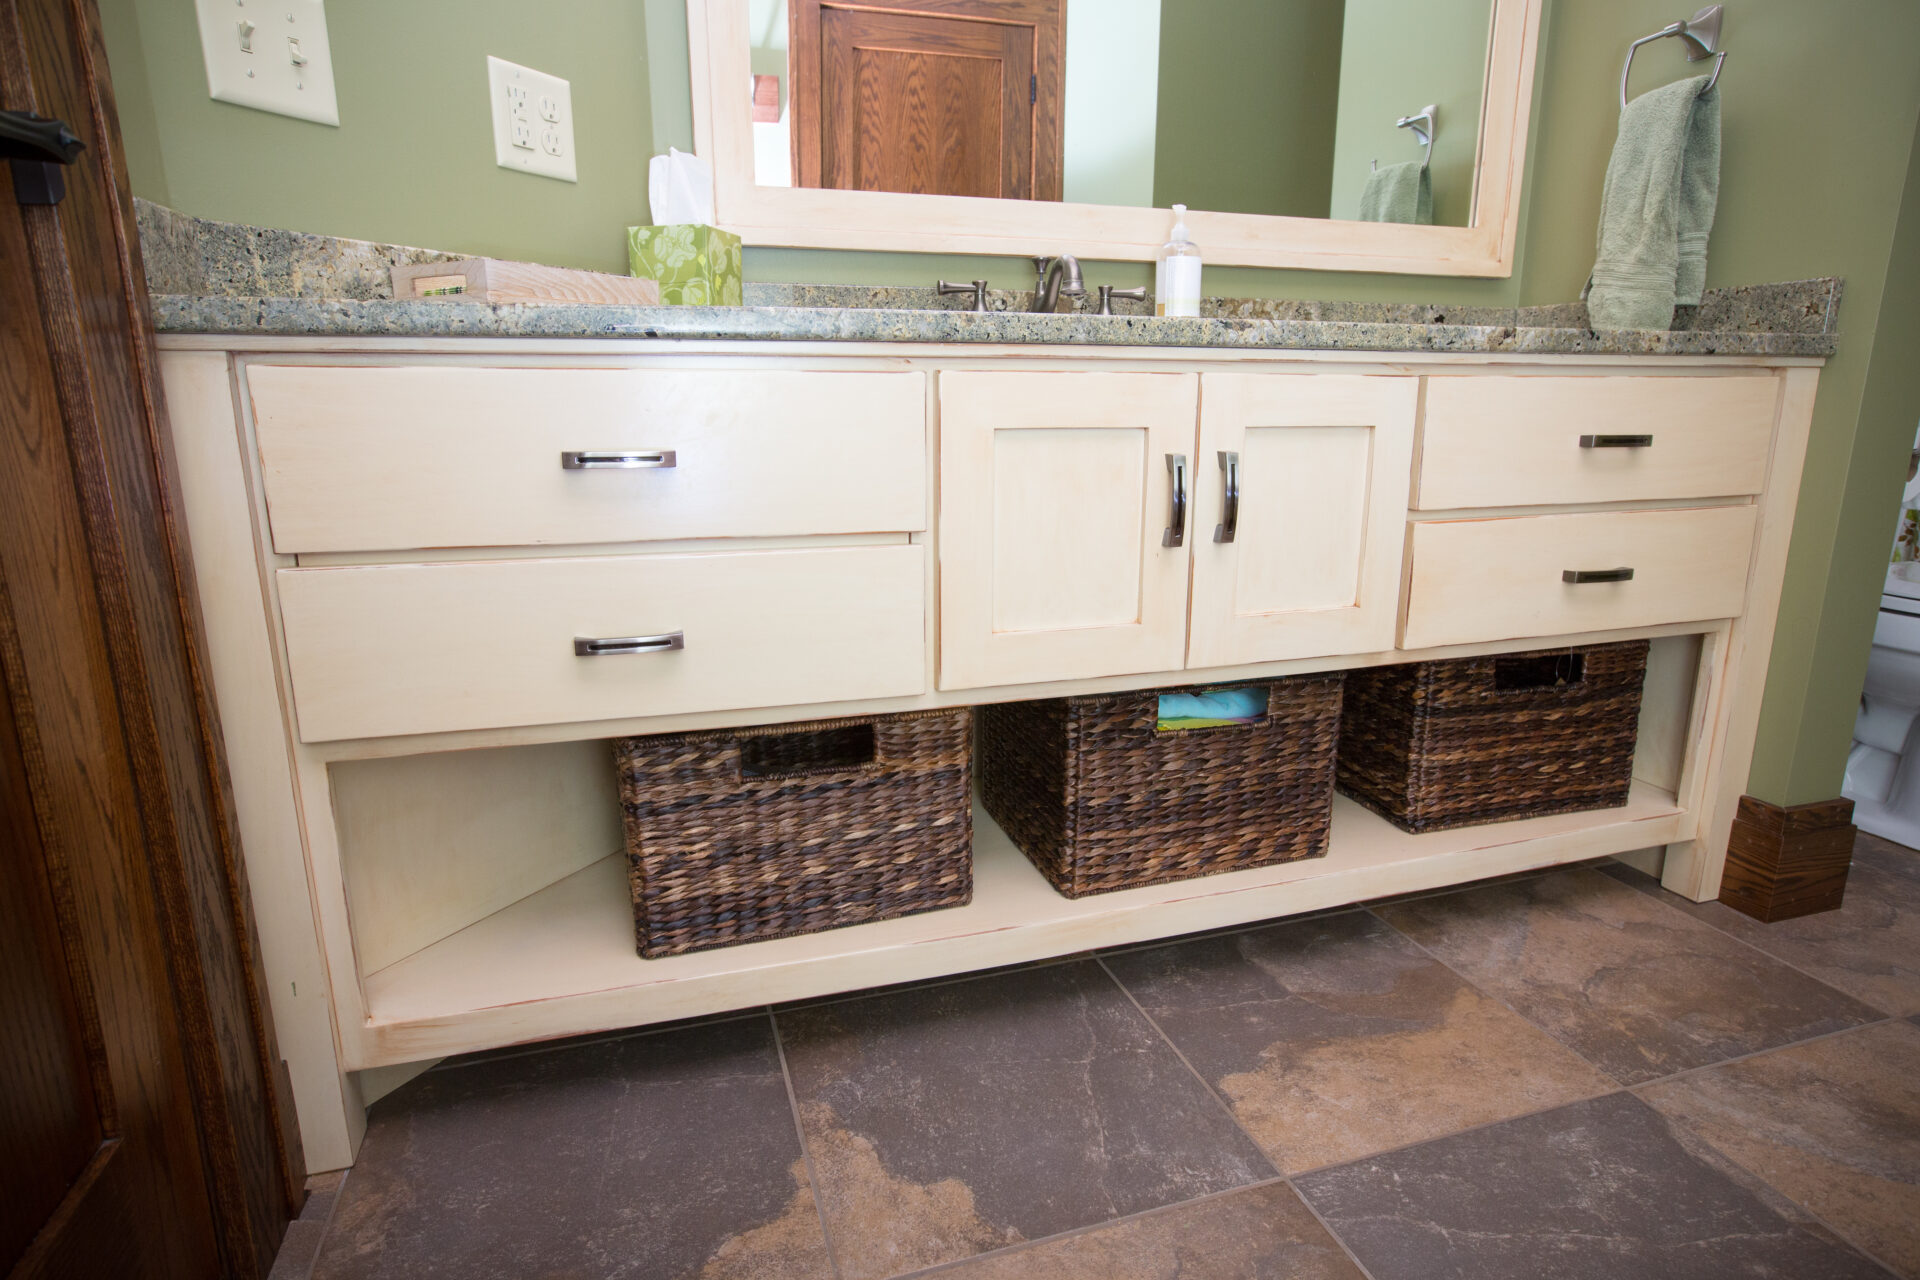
1790, 861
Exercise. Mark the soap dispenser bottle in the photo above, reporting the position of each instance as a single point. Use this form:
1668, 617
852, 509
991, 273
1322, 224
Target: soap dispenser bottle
1176, 277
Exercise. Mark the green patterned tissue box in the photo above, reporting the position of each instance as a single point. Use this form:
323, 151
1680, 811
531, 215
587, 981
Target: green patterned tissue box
697, 266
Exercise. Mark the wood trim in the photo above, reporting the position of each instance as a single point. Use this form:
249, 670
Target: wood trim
97, 320
1788, 862
801, 217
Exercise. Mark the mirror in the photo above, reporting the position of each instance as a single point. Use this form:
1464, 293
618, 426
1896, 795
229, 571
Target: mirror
1296, 131
1284, 107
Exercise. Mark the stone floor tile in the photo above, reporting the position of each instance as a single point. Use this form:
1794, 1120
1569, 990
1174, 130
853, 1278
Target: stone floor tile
1637, 988
663, 1156
1262, 1231
1833, 1125
1598, 1190
950, 1120
1336, 1037
1869, 947
298, 1248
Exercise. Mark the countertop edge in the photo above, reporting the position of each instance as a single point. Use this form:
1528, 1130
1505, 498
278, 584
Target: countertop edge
320, 318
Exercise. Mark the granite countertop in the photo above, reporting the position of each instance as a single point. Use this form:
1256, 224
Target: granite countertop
212, 277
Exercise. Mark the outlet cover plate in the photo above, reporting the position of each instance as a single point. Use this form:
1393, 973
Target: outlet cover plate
532, 120
250, 47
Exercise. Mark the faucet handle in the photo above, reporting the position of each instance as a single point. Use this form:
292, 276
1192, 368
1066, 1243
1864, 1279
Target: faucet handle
978, 289
1108, 293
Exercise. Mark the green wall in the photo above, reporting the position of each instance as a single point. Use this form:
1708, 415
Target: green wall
1248, 90
1818, 179
412, 161
1402, 55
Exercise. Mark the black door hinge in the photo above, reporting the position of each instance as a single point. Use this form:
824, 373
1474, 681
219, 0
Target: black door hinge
1033, 90
36, 148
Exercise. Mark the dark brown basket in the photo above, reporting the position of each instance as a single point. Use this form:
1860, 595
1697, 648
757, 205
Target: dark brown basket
1099, 800
737, 835
1431, 745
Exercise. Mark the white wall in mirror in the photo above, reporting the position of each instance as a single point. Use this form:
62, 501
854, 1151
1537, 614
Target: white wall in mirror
1112, 101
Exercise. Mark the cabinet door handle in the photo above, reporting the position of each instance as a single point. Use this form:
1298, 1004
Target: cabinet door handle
1596, 575
1176, 534
1616, 442
1229, 497
608, 646
602, 460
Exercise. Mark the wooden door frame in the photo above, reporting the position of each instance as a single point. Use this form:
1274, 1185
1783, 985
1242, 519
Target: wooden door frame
114, 608
1048, 18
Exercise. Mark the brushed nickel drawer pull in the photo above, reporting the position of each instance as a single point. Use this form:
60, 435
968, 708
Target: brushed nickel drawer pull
1230, 497
602, 460
1596, 575
608, 646
1616, 442
1176, 534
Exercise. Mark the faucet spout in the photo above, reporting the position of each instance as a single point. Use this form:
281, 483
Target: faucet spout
1056, 278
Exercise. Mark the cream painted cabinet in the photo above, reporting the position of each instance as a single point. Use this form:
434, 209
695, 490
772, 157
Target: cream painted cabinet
1060, 493
423, 625
1057, 494
1301, 487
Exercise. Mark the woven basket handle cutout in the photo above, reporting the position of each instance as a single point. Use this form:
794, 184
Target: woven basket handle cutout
1533, 672
837, 749
1150, 712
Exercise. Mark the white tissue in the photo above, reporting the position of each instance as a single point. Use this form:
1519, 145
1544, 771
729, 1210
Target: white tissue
680, 189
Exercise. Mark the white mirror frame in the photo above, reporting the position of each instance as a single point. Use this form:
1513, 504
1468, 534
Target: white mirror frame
797, 217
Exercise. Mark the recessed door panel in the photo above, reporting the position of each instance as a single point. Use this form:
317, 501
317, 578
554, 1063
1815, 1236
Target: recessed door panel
1303, 534
1067, 557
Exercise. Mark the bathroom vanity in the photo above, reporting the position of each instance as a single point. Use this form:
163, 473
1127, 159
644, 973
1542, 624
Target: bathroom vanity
404, 541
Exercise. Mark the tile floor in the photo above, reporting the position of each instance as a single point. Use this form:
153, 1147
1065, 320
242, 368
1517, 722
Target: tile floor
1570, 1074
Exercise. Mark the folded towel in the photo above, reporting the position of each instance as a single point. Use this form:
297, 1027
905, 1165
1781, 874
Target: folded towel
1398, 193
1657, 208
1213, 708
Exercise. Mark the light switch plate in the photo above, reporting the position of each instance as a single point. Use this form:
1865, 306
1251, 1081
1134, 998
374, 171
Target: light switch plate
271, 55
532, 120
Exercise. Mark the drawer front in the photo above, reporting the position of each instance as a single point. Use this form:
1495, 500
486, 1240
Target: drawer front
376, 650
397, 458
1506, 441
1475, 580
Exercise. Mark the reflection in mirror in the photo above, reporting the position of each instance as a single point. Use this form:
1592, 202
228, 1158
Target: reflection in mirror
1233, 106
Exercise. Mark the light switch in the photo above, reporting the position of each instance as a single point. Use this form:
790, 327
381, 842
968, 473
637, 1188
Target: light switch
247, 65
532, 120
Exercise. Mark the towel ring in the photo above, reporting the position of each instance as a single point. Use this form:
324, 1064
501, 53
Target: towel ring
1700, 33
1429, 113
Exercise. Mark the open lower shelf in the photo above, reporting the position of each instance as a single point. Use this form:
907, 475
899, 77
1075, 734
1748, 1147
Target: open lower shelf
562, 961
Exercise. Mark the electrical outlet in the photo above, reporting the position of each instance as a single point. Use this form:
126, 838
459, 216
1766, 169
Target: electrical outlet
532, 120
271, 55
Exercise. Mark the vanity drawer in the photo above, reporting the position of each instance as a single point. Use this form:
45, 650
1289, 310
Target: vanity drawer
1516, 441
376, 650
1475, 580
398, 457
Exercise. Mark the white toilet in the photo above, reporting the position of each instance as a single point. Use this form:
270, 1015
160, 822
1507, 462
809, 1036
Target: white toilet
1883, 766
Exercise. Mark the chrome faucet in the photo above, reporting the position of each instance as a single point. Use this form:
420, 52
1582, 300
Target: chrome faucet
1056, 278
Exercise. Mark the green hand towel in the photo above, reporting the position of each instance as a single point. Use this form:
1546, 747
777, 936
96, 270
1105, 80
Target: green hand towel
1657, 208
1398, 193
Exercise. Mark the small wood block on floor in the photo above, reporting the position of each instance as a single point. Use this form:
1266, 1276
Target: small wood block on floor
495, 280
1784, 862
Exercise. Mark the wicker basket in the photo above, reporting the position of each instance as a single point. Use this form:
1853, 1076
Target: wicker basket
1098, 799
743, 834
1431, 745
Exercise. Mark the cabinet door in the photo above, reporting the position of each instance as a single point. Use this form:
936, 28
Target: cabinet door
1312, 566
1055, 500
